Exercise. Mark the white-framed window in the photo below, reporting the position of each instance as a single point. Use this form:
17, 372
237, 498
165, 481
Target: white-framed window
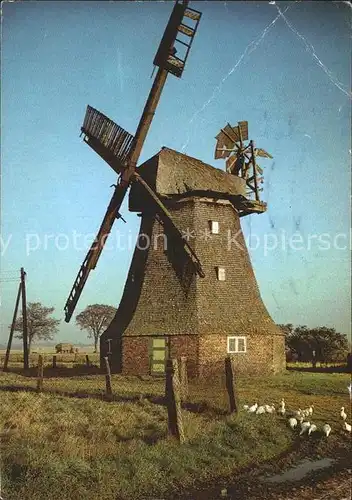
221, 273
214, 226
236, 344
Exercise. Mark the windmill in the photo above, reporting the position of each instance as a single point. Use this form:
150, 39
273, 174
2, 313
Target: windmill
197, 296
121, 150
241, 161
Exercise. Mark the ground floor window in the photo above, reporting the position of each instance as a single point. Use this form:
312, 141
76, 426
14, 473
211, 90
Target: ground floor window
236, 344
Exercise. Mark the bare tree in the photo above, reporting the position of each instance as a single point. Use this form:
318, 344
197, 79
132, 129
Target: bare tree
95, 319
39, 323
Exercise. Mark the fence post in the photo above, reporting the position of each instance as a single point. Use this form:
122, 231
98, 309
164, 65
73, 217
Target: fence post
54, 361
108, 378
173, 400
183, 378
40, 373
87, 360
230, 383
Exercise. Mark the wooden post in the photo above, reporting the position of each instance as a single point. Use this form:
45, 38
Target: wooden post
24, 318
7, 355
173, 400
230, 384
108, 378
54, 361
40, 373
87, 360
254, 171
183, 378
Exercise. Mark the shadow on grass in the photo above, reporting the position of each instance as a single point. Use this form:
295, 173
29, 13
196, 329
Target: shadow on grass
320, 369
201, 407
101, 396
58, 372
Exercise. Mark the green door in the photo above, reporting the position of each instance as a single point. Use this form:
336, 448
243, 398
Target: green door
158, 355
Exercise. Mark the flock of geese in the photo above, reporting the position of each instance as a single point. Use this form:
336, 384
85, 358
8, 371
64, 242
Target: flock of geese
302, 417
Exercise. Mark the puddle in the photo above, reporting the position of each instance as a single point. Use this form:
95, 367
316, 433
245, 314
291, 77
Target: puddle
299, 471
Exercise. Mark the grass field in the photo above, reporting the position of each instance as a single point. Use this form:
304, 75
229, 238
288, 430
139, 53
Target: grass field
67, 445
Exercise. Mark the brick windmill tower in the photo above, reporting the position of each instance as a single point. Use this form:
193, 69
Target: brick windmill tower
190, 290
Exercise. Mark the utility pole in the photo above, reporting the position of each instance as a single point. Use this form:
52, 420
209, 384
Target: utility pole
7, 355
24, 318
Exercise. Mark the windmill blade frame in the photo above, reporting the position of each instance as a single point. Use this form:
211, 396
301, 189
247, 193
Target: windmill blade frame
95, 250
261, 152
121, 150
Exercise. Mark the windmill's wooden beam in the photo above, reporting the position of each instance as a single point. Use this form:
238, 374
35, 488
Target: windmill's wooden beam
166, 214
105, 154
95, 250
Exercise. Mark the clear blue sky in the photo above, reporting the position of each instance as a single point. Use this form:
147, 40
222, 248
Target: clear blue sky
291, 82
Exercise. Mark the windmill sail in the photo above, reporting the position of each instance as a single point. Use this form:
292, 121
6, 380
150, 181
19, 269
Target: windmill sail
228, 137
261, 152
107, 138
121, 150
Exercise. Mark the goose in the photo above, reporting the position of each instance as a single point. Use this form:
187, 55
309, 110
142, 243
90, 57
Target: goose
269, 409
304, 427
245, 407
311, 429
253, 408
306, 412
343, 414
326, 429
310, 409
347, 427
292, 422
260, 410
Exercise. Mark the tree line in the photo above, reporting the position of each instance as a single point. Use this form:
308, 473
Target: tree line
320, 344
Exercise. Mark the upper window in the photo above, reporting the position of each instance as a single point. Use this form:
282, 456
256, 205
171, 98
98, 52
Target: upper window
214, 227
221, 273
236, 344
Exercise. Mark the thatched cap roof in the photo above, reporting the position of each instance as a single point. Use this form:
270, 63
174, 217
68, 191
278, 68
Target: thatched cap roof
171, 173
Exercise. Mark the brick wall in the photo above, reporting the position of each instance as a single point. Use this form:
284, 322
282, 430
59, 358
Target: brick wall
135, 356
279, 355
256, 360
188, 346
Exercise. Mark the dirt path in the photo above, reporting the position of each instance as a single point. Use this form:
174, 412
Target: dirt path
331, 482
337, 487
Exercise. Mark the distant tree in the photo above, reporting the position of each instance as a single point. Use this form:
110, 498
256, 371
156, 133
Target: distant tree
288, 328
95, 319
40, 325
321, 344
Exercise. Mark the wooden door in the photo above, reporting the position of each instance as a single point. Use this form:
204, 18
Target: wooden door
158, 355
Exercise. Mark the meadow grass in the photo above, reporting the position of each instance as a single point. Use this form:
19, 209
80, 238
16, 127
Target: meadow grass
68, 447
